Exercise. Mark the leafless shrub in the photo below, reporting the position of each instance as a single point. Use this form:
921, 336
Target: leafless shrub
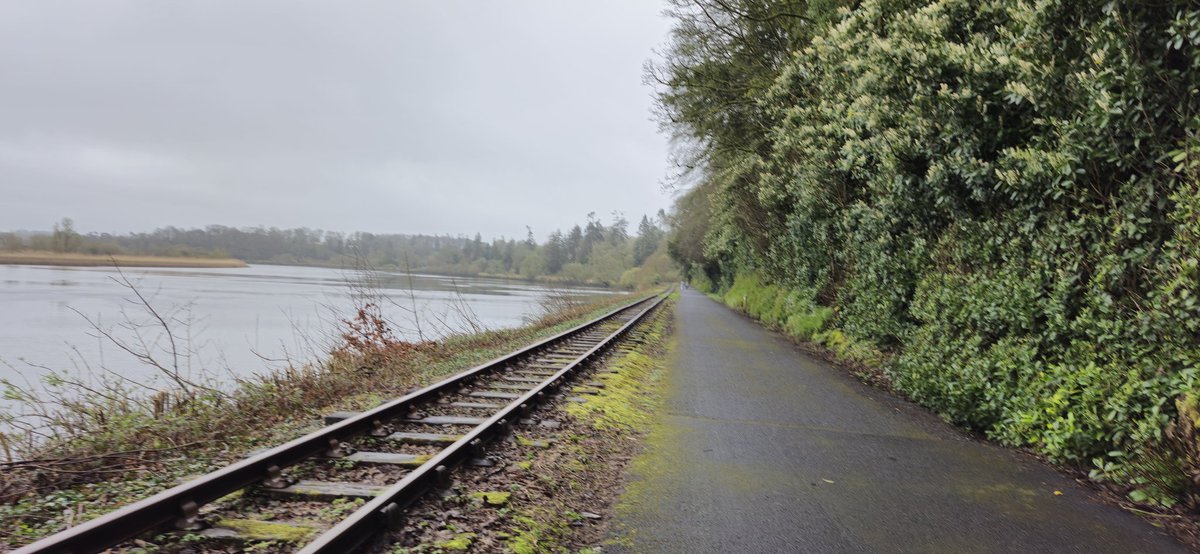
369, 289
86, 421
160, 340
70, 404
457, 316
554, 303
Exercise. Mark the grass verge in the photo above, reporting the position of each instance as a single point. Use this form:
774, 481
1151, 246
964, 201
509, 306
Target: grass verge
793, 313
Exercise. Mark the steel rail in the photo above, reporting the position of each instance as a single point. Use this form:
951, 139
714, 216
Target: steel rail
385, 508
183, 501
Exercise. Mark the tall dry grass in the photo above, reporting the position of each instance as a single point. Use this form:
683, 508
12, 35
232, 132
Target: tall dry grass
35, 257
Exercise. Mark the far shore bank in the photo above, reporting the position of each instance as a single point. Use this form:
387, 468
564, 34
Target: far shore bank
548, 280
96, 260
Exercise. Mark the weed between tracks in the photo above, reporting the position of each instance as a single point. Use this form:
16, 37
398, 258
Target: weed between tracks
555, 480
116, 451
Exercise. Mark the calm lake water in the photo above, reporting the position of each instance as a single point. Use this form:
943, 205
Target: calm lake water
233, 321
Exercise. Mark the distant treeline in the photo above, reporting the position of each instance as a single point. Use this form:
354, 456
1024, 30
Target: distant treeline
592, 253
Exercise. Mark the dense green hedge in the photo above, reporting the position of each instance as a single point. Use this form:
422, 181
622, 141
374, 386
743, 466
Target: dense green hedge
1004, 195
793, 312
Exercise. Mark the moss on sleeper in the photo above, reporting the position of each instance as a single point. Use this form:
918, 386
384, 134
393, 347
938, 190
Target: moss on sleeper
459, 543
417, 461
492, 498
536, 532
257, 530
624, 403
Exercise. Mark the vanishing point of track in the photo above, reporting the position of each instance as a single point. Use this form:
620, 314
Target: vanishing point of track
487, 399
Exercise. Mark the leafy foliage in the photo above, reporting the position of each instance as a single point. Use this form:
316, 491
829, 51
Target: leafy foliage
1004, 194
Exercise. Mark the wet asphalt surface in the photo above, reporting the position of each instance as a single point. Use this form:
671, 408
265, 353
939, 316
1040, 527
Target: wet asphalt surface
765, 449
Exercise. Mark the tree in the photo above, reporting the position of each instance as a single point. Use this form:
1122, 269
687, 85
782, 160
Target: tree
555, 252
11, 241
65, 239
473, 249
508, 256
618, 231
593, 233
649, 236
575, 243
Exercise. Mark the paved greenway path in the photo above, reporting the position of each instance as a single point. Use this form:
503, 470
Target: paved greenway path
766, 450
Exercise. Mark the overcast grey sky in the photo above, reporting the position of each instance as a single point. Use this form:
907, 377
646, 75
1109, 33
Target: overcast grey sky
381, 116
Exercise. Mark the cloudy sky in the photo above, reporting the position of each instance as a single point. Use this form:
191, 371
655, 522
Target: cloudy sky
381, 116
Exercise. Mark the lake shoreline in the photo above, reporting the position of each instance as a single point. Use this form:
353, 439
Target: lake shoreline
543, 280
121, 260
68, 259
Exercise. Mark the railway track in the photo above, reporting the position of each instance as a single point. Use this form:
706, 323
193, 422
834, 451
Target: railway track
372, 464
